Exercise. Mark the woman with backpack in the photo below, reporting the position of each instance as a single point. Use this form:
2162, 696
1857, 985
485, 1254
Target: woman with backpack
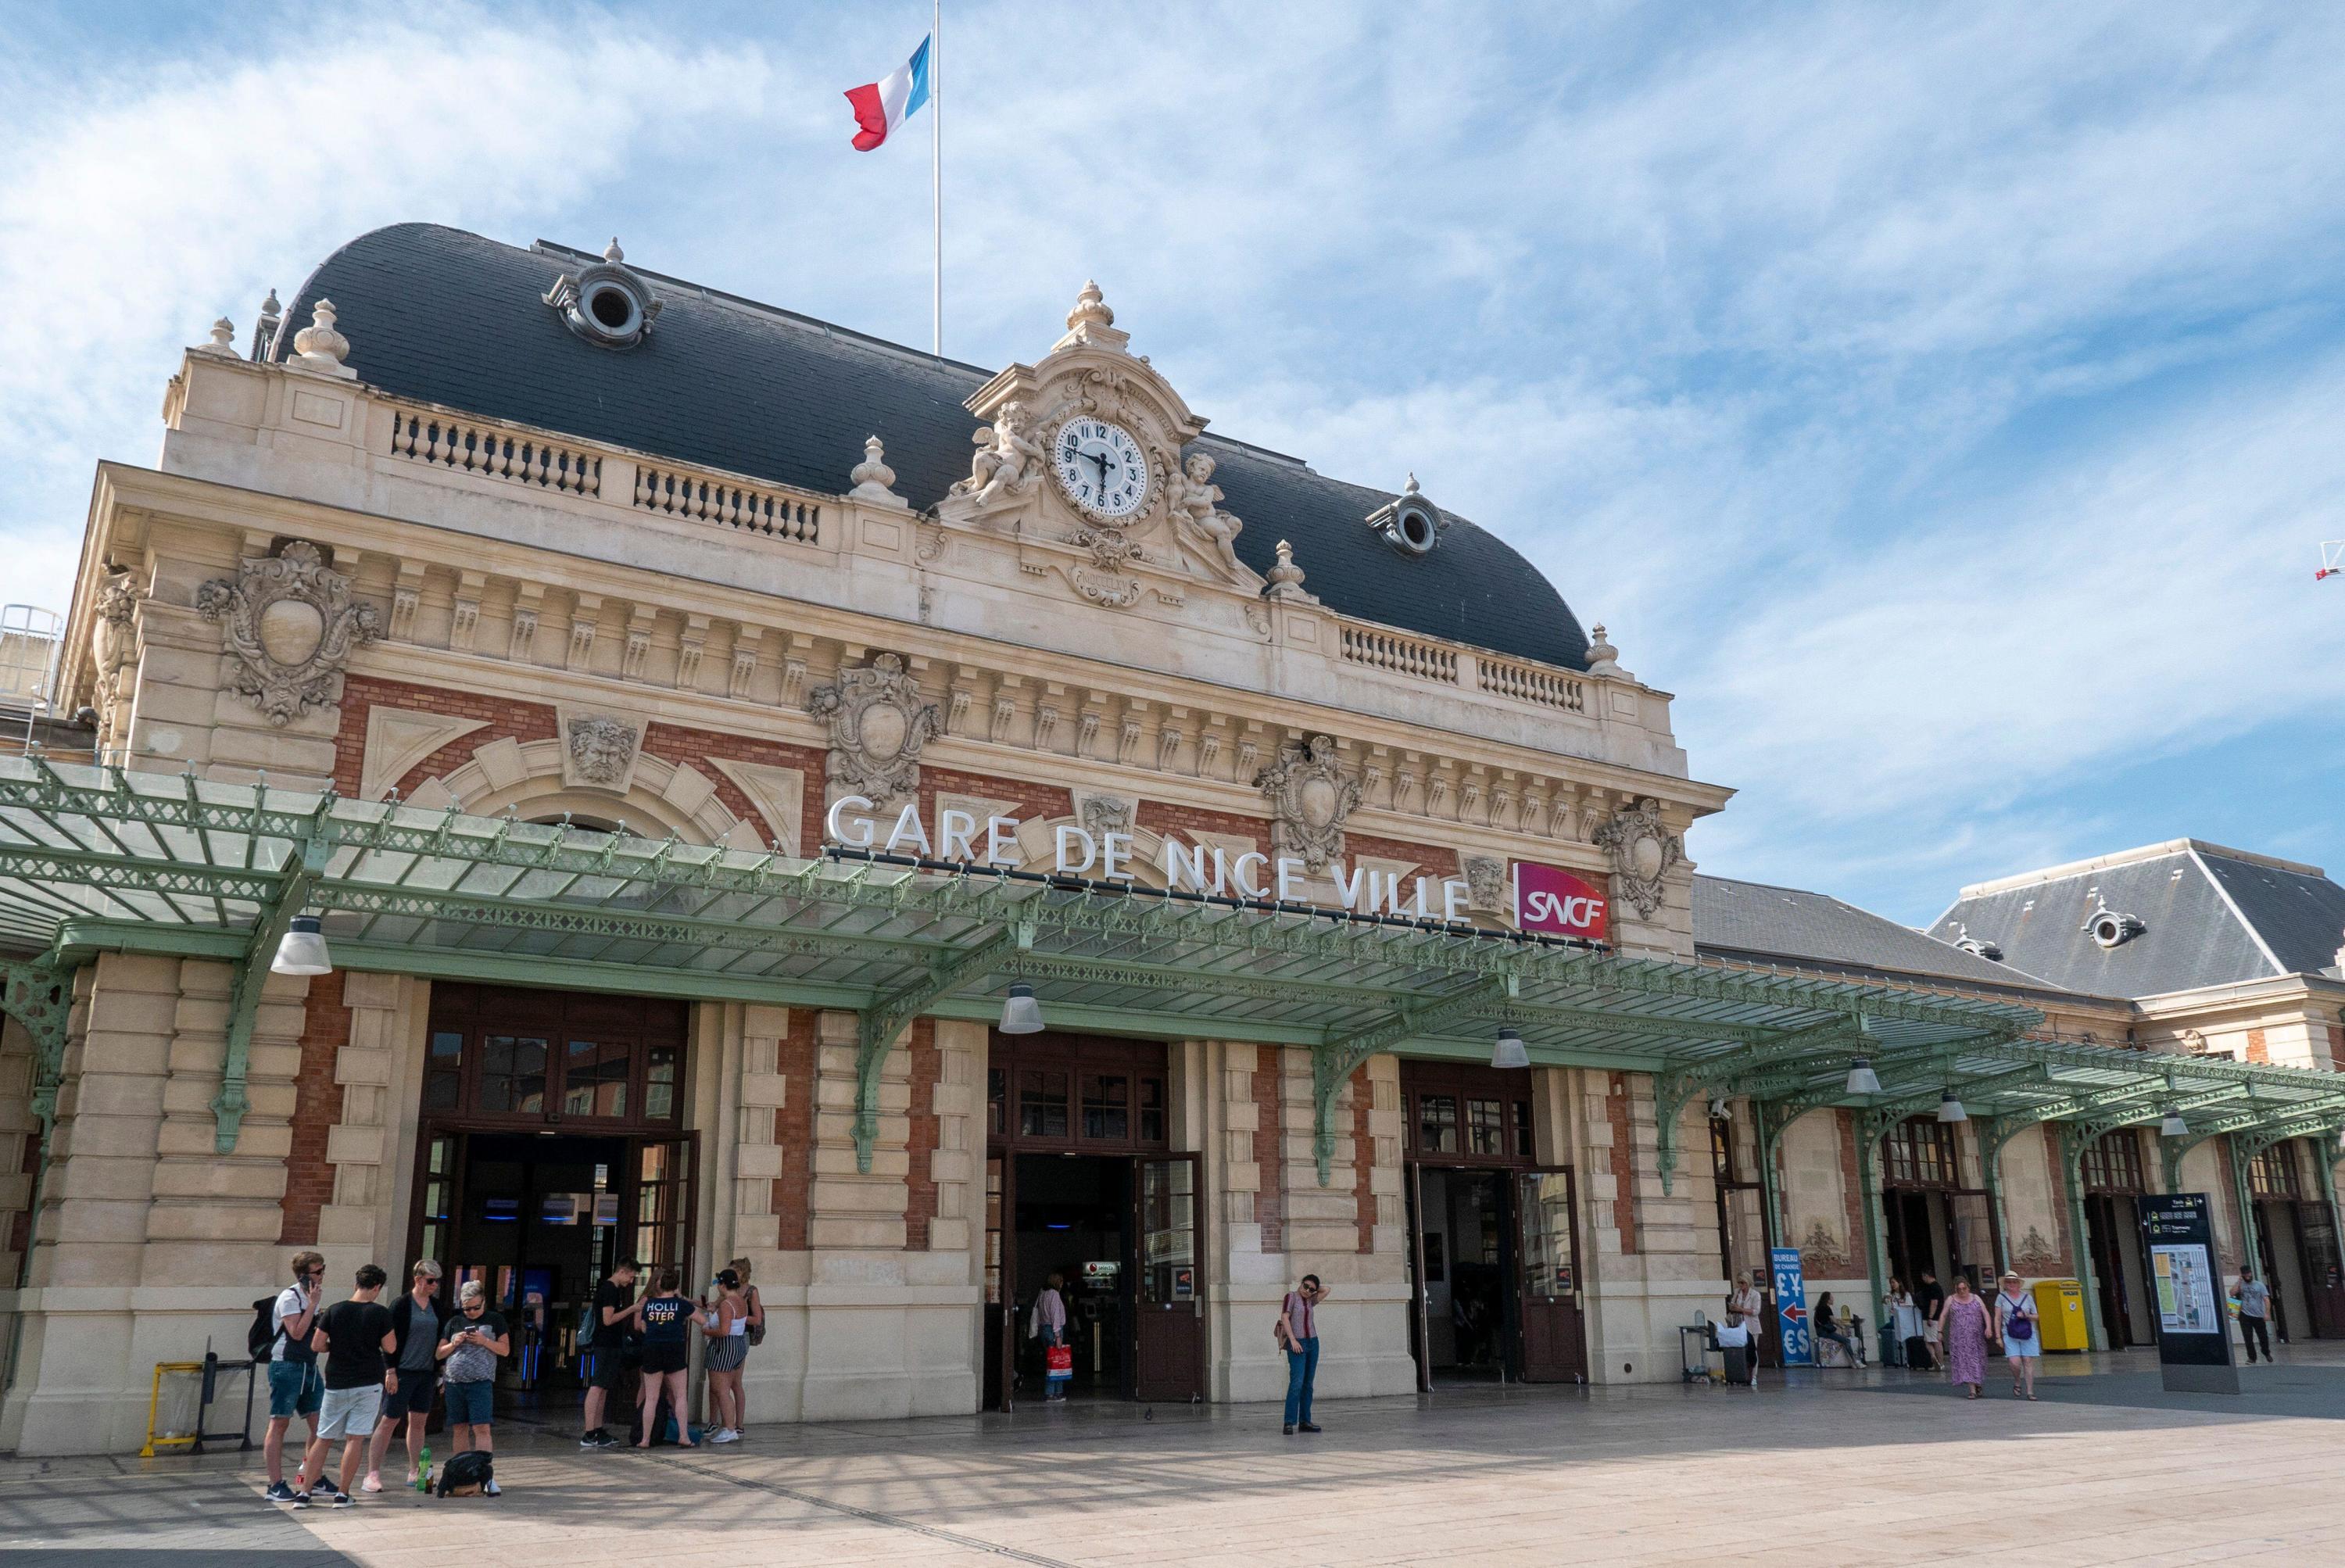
755, 1335
1297, 1333
2023, 1347
667, 1318
726, 1327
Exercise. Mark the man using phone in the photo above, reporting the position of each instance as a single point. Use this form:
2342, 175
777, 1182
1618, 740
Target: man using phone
472, 1343
616, 1313
294, 1387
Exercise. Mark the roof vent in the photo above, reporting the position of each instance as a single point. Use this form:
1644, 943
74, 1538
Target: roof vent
1990, 951
2110, 929
606, 303
1409, 522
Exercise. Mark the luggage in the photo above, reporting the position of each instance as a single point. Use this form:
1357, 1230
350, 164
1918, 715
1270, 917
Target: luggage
466, 1474
1917, 1353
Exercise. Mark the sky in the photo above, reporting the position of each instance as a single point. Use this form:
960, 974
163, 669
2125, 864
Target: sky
1946, 403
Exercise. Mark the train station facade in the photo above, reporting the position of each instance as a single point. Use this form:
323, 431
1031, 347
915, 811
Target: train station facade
764, 792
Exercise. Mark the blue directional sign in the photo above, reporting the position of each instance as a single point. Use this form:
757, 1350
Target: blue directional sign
1798, 1339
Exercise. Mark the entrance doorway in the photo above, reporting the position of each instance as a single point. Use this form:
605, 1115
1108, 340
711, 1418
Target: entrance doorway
1081, 1182
2110, 1171
549, 1148
1930, 1223
2296, 1247
1493, 1245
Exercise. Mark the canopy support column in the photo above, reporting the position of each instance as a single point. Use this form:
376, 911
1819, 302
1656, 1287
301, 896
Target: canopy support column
40, 996
1333, 1061
2074, 1138
1870, 1129
878, 1024
302, 871
1994, 1134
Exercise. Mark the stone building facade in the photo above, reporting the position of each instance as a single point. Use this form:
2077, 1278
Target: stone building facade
486, 535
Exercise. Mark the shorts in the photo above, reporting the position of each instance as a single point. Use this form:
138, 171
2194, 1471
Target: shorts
294, 1389
470, 1404
349, 1413
727, 1353
2027, 1349
658, 1358
610, 1368
412, 1396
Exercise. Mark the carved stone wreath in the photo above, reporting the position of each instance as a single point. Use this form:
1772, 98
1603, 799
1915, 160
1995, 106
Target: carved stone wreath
877, 725
291, 625
1643, 849
1310, 797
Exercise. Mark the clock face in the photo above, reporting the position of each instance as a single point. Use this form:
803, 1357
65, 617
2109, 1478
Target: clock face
1101, 466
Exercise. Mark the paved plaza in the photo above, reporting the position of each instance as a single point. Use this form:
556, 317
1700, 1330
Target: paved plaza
1817, 1469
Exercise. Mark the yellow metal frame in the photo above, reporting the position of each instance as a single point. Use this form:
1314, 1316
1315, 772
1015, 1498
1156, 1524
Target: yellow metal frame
155, 1406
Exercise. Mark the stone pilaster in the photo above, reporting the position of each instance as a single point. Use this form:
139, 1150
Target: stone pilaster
958, 1101
758, 1154
852, 1210
360, 1143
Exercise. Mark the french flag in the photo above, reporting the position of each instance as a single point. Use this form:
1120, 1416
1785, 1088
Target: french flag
882, 107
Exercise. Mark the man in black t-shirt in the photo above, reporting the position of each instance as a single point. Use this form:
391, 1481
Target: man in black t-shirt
356, 1338
615, 1315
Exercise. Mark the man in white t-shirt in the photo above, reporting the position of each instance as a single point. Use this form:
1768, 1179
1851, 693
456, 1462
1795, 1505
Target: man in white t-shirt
295, 1385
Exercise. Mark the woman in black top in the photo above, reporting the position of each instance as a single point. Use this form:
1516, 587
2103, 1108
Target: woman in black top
667, 1319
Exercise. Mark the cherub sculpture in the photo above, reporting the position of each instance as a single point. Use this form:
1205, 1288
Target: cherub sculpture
1196, 514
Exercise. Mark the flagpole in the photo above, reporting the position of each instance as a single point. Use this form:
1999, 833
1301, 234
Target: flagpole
936, 178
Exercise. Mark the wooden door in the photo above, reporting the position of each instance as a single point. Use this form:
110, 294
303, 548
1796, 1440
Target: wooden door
439, 1200
1001, 1325
2324, 1280
1168, 1311
661, 1205
1420, 1320
1554, 1341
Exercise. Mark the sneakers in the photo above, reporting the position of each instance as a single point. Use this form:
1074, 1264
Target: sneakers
599, 1439
1305, 1427
279, 1492
344, 1500
490, 1489
373, 1482
329, 1492
724, 1434
1290, 1429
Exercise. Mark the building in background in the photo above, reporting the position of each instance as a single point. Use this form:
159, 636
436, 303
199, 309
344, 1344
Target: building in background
598, 767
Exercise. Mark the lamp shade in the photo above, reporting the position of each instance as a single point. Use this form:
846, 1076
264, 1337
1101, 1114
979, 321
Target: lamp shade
302, 950
1950, 1109
1020, 1014
1861, 1078
2173, 1126
1511, 1051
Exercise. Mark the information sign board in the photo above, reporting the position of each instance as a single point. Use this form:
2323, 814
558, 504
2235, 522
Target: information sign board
1791, 1327
2194, 1334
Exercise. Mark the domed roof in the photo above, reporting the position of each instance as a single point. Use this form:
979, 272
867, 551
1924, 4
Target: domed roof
441, 316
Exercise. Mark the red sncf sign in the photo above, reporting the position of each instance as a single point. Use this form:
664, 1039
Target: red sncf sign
1552, 901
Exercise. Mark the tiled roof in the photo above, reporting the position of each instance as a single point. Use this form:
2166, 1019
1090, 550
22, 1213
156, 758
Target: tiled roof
1753, 921
441, 316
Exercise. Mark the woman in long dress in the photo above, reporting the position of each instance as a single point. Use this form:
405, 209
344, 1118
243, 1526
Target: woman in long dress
1967, 1329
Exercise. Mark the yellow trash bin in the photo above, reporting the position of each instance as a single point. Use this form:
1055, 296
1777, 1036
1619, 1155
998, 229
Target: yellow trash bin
2060, 1309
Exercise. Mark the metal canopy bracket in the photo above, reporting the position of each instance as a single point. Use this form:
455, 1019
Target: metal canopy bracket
1333, 1062
878, 1025
292, 893
40, 996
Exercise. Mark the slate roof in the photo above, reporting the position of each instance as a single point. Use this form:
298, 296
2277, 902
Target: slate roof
2211, 916
1754, 921
438, 315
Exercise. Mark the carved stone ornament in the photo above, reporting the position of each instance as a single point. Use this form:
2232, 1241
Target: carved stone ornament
291, 625
602, 749
1310, 797
1643, 849
1103, 814
878, 723
114, 643
1486, 884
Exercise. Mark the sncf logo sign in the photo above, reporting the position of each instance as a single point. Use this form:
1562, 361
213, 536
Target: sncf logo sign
1552, 901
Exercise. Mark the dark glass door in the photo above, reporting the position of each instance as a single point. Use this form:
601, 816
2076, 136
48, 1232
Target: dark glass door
1002, 1326
661, 1204
1554, 1339
1168, 1322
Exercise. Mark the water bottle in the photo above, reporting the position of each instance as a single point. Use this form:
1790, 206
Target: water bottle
423, 1469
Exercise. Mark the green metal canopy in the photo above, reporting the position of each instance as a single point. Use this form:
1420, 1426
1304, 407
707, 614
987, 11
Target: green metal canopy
94, 860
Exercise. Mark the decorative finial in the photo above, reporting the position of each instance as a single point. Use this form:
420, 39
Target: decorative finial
1286, 577
320, 347
1410, 488
223, 339
611, 253
1091, 308
873, 477
264, 331
1602, 657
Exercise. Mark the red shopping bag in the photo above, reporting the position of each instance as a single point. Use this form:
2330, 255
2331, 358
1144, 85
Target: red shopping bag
1058, 1360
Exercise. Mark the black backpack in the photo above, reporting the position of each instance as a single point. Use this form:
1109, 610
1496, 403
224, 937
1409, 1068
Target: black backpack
260, 1338
464, 1475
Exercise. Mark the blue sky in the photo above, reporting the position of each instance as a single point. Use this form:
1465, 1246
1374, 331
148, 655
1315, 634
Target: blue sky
1946, 404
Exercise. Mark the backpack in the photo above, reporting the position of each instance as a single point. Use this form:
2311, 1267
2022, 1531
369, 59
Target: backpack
756, 1320
260, 1334
2022, 1322
465, 1475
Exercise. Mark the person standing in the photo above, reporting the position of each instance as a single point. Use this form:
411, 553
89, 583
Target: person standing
469, 1348
2254, 1298
2023, 1346
415, 1319
726, 1328
1298, 1335
1966, 1330
1746, 1308
754, 1335
667, 1317
1051, 1327
355, 1337
295, 1387
617, 1314
1903, 1323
